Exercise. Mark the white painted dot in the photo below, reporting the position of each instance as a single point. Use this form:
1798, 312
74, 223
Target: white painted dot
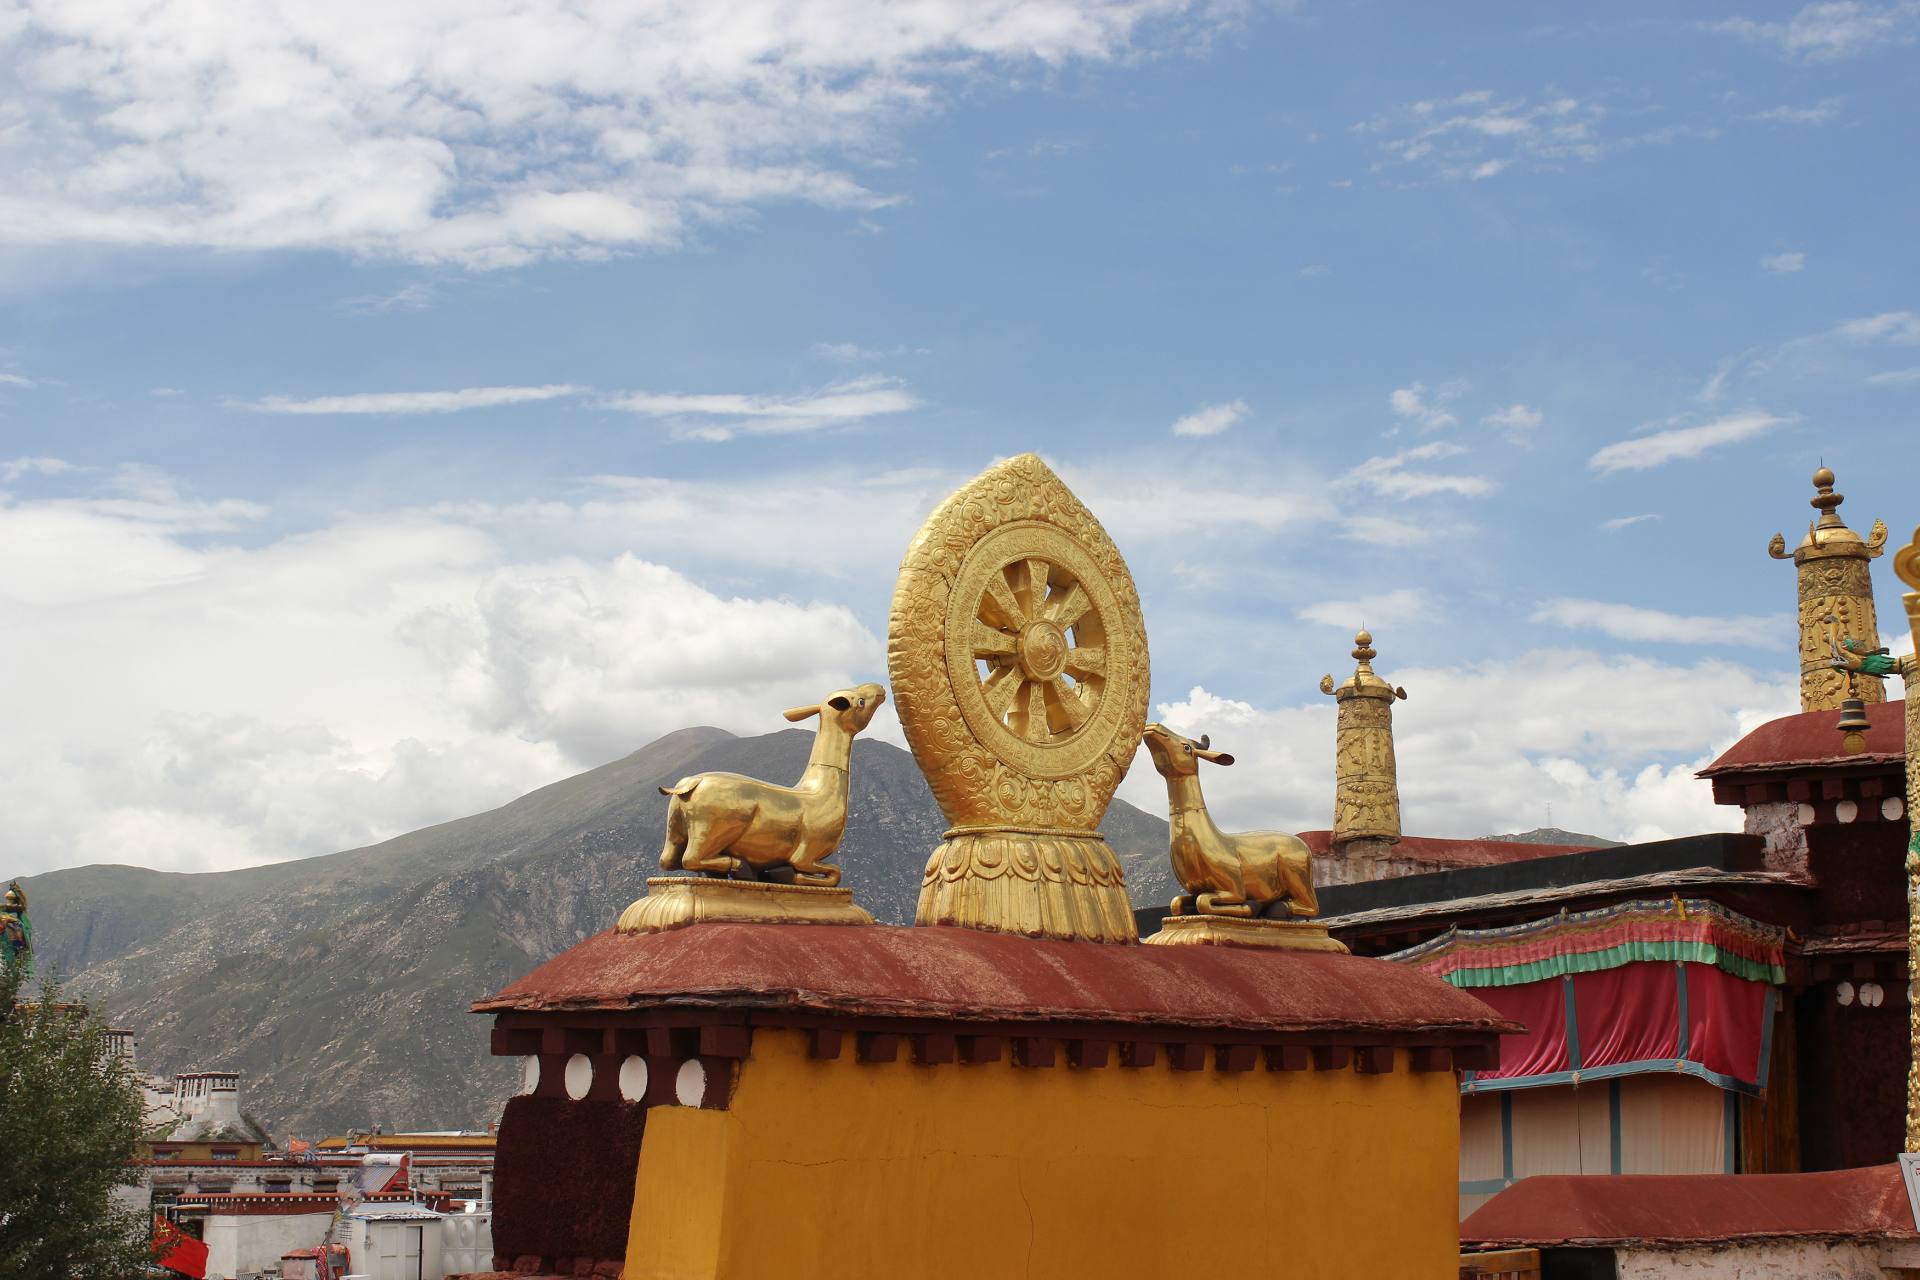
1872, 995
690, 1085
1843, 992
1805, 814
579, 1076
1891, 808
1846, 811
633, 1078
529, 1074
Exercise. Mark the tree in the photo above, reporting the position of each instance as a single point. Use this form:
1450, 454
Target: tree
69, 1120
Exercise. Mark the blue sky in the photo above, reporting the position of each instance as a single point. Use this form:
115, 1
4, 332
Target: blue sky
407, 413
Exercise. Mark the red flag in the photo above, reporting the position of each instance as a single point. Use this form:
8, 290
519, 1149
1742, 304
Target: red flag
177, 1251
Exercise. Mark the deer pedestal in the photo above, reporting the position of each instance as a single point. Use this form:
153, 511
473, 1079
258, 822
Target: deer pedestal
673, 902
1236, 931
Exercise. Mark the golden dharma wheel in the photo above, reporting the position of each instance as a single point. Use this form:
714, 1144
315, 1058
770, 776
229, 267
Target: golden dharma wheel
1018, 657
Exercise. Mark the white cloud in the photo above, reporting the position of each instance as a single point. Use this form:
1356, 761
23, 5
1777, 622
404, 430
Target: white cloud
1899, 327
1517, 422
1626, 522
417, 296
1631, 622
1830, 30
15, 380
1313, 270
409, 401
1781, 264
487, 132
1610, 743
294, 695
1211, 419
1388, 608
1427, 410
724, 415
14, 468
1895, 378
1824, 112
1385, 531
1478, 135
1660, 447
1393, 476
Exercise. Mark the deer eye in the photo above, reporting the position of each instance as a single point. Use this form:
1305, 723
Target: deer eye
1189, 748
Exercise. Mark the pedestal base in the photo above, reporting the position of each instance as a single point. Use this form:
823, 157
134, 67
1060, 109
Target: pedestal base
1237, 931
1059, 884
673, 902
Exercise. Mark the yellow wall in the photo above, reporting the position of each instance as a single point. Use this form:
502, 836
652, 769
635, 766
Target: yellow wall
849, 1169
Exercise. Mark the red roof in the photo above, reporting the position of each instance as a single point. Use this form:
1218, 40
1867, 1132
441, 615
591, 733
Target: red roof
1682, 1209
1809, 738
969, 975
1455, 853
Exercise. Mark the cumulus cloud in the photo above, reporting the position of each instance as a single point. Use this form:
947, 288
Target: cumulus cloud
1781, 264
1387, 608
487, 132
282, 696
722, 416
12, 469
1426, 409
1830, 30
1396, 475
1211, 419
15, 380
408, 401
1824, 112
1678, 443
1611, 743
1631, 622
1517, 422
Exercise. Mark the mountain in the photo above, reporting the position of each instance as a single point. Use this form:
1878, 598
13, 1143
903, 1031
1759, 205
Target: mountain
338, 985
1554, 835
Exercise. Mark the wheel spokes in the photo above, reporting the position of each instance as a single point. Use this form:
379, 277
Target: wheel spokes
1065, 610
1073, 711
1000, 690
991, 642
1000, 607
1087, 660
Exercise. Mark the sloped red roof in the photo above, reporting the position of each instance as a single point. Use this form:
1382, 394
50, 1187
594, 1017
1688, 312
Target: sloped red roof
969, 975
1809, 738
1456, 853
1681, 1209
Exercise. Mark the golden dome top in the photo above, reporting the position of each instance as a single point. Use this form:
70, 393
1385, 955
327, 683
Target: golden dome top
1363, 683
1827, 534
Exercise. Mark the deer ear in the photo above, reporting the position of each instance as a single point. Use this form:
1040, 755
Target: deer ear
839, 702
1218, 757
801, 713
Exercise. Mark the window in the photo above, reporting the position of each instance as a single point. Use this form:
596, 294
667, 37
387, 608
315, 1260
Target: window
225, 1153
165, 1153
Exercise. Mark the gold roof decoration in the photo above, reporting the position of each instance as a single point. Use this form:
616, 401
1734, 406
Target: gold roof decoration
1018, 656
1836, 582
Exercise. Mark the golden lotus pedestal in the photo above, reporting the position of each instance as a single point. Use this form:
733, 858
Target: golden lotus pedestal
1237, 931
673, 902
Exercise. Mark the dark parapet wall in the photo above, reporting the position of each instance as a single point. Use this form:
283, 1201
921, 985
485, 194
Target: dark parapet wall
563, 1181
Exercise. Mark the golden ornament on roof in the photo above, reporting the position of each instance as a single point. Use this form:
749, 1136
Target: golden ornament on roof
1019, 664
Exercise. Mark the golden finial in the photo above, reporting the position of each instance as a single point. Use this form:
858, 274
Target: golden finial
1366, 780
1835, 580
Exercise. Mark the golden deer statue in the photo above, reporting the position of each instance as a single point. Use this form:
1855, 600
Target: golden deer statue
1253, 874
721, 823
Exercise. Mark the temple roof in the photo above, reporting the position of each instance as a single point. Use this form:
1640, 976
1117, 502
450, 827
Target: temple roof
1809, 738
1688, 1209
970, 975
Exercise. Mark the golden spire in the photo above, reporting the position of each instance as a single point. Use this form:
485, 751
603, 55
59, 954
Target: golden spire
1834, 582
1366, 784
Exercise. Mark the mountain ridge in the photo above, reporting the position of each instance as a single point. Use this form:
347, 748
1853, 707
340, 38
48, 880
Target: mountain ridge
356, 968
